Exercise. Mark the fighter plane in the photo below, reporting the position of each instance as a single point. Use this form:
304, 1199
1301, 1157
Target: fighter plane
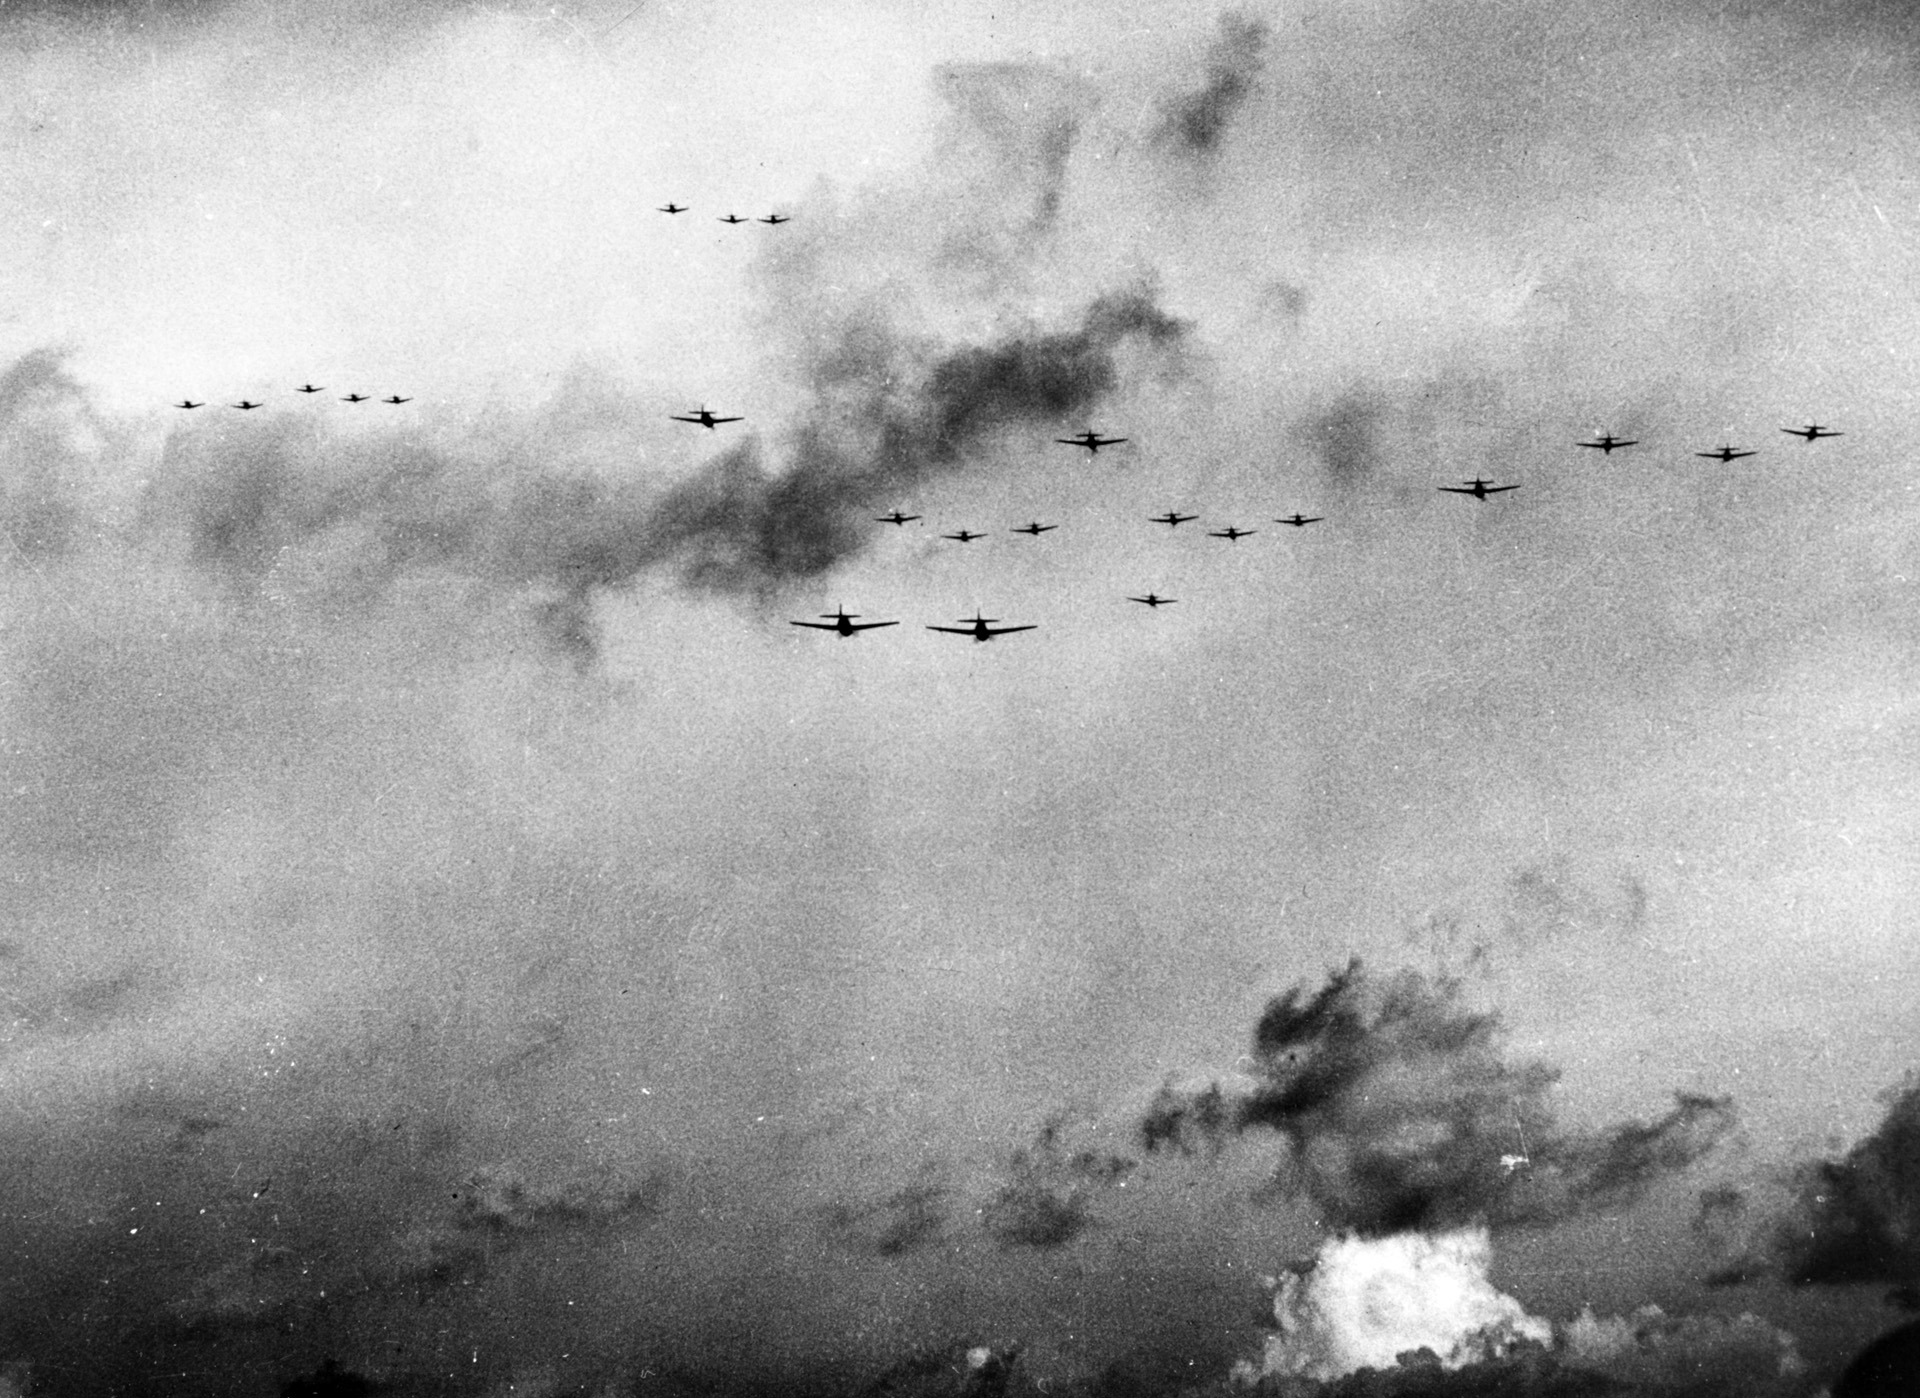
1154, 599
189, 403
354, 398
1607, 442
672, 208
1035, 528
1171, 520
981, 628
1724, 454
704, 418
895, 518
965, 536
1813, 431
776, 218
732, 218
396, 398
1477, 488
1092, 441
1230, 533
310, 388
1300, 521
843, 623
244, 406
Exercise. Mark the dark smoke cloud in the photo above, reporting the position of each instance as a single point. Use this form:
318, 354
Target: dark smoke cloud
1399, 1109
1045, 1203
1197, 122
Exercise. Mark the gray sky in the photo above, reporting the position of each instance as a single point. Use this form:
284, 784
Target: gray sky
408, 796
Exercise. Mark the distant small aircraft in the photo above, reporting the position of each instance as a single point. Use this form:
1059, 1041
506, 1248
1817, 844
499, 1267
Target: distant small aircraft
1813, 431
189, 403
396, 398
1170, 519
1300, 521
981, 628
1607, 442
354, 398
1724, 454
776, 218
672, 208
1035, 528
245, 406
895, 518
1154, 599
1477, 488
843, 623
1092, 441
965, 536
731, 218
311, 388
704, 418
1230, 533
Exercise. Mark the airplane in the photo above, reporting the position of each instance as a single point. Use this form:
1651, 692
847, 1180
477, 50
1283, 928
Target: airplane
672, 208
1812, 432
1092, 441
981, 628
245, 406
704, 418
1035, 528
1477, 488
895, 518
1300, 521
732, 218
1170, 519
1231, 534
964, 536
354, 398
843, 623
189, 403
1154, 599
776, 218
310, 388
396, 399
1724, 454
1608, 442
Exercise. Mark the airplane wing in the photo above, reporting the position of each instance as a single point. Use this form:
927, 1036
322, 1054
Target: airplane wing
678, 418
1456, 490
1496, 489
864, 625
953, 630
828, 625
1009, 630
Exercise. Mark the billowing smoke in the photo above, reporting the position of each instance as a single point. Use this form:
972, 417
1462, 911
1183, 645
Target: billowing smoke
1197, 122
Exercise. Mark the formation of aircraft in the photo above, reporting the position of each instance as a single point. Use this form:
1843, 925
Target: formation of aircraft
1300, 521
981, 628
1231, 534
1170, 519
247, 405
895, 518
704, 418
1724, 454
1477, 488
843, 623
1154, 599
1091, 440
1607, 442
1036, 528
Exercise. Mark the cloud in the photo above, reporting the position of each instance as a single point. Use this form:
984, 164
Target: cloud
1046, 1202
1197, 122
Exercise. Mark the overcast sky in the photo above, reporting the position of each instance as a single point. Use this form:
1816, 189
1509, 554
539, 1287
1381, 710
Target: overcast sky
455, 923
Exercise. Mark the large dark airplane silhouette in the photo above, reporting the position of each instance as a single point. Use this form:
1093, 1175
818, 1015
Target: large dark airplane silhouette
244, 406
1724, 454
1813, 431
843, 623
965, 536
1477, 488
1607, 442
354, 398
1035, 528
981, 628
396, 398
1300, 521
1091, 440
1154, 599
731, 218
1231, 534
672, 208
1171, 520
895, 518
704, 418
311, 388
189, 403
776, 218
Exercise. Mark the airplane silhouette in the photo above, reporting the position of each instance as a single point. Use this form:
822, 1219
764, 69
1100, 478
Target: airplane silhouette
776, 218
1231, 534
396, 399
964, 536
895, 518
189, 403
672, 208
1812, 432
1171, 520
1036, 528
843, 623
1477, 488
1154, 599
1300, 521
704, 418
1092, 441
981, 628
1607, 442
354, 398
310, 388
1724, 454
245, 406
732, 218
